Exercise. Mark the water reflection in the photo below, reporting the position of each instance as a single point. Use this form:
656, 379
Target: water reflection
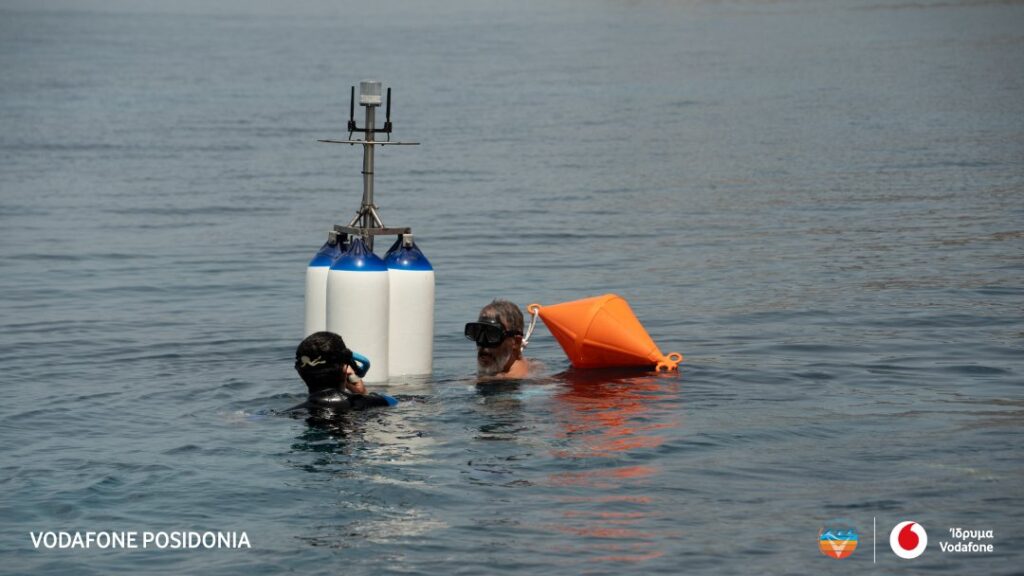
500, 405
376, 432
499, 419
329, 431
607, 413
604, 418
366, 469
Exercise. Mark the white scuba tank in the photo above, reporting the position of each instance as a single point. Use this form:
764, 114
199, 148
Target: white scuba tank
411, 309
357, 305
316, 286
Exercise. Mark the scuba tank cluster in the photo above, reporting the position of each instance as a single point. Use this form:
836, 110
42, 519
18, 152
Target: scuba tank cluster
383, 307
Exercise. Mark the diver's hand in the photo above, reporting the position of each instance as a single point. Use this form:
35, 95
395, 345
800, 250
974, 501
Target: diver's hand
353, 383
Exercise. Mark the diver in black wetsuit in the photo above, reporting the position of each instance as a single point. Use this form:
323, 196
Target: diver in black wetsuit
326, 365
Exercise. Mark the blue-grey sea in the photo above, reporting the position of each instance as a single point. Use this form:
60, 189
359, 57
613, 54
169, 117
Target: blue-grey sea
820, 204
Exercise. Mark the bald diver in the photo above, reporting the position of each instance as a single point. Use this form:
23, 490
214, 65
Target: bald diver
332, 374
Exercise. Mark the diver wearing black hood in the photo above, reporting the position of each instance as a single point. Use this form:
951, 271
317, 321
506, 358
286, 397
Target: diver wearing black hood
328, 368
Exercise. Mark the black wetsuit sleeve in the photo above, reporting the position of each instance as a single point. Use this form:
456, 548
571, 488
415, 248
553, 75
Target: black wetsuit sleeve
361, 402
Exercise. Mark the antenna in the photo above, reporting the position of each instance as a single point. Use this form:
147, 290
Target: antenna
367, 222
387, 117
352, 113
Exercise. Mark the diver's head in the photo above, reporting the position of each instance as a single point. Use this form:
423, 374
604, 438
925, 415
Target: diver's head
320, 361
498, 333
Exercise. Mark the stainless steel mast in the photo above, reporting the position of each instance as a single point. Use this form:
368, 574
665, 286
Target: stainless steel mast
367, 222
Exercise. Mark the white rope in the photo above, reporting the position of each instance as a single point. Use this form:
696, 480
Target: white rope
529, 331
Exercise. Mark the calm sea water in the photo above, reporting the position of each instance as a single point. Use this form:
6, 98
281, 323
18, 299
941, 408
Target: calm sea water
820, 204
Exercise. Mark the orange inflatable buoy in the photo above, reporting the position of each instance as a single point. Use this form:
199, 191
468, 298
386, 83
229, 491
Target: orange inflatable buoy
603, 332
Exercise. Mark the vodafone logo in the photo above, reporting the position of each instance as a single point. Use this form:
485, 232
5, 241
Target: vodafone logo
908, 540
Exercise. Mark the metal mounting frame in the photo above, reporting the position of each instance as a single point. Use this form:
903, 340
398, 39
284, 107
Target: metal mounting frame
367, 222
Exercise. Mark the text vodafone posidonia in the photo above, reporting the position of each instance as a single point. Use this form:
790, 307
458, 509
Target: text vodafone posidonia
139, 540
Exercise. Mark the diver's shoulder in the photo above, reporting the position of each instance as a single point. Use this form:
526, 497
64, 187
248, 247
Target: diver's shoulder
527, 368
328, 398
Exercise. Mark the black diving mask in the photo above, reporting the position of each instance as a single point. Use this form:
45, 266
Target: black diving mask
488, 332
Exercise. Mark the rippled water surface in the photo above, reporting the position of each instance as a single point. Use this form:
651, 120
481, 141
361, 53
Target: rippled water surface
820, 204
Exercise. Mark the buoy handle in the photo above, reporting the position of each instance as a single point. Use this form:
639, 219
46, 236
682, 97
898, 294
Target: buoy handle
533, 308
670, 362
